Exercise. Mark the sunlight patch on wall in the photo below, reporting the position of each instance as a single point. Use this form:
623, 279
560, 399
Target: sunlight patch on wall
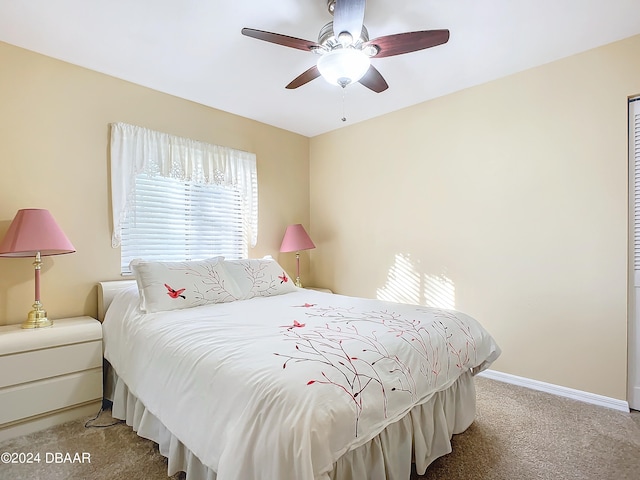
439, 291
406, 285
403, 283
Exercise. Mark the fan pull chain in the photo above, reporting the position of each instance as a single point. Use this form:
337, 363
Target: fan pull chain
344, 117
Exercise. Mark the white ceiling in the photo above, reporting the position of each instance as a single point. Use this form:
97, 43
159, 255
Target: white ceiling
194, 49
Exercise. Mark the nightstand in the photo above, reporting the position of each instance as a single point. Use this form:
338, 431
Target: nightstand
325, 290
49, 375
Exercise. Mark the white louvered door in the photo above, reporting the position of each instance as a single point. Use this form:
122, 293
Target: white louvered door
634, 320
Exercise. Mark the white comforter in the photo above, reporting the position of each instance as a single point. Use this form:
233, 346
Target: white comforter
281, 387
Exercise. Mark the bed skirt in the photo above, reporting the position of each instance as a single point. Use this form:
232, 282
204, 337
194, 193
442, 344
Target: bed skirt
421, 436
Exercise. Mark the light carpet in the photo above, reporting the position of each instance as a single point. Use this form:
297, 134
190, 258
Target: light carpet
519, 434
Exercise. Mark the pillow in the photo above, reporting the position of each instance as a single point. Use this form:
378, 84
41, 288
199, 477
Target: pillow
174, 285
262, 277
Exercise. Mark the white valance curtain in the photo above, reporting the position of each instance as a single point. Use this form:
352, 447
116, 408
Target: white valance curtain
136, 150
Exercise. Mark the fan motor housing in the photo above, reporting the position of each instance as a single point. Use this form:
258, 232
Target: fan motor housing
327, 39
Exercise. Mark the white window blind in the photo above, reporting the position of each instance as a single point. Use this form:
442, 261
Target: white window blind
176, 220
634, 159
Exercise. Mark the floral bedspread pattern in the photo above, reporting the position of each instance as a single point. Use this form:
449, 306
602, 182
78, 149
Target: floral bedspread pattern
349, 347
282, 386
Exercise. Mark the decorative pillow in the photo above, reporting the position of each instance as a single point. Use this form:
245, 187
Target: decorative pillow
175, 285
262, 277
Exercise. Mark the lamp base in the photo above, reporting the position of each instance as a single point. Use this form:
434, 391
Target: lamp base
298, 282
37, 318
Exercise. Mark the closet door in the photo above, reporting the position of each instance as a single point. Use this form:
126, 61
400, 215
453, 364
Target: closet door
634, 308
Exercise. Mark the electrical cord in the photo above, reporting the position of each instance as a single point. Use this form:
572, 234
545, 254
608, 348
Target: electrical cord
89, 422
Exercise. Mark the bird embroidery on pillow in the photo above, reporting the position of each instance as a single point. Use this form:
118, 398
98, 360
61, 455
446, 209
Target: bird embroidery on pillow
283, 278
175, 293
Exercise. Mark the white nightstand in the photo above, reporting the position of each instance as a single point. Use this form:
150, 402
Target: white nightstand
49, 375
325, 290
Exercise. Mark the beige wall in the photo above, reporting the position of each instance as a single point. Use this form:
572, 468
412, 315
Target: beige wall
507, 201
54, 121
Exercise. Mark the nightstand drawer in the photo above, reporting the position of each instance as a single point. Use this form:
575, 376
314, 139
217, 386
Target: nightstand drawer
43, 396
51, 362
65, 331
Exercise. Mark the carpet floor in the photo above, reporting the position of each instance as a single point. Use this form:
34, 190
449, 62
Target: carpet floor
519, 434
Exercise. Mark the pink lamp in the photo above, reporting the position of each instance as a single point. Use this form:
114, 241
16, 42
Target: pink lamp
296, 239
34, 232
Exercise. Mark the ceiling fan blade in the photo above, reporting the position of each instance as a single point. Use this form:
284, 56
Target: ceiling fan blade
305, 77
279, 39
373, 80
348, 16
400, 43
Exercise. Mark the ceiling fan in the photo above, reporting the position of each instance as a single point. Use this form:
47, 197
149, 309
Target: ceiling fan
345, 49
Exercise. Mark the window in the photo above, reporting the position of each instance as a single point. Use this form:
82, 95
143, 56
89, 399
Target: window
177, 199
175, 220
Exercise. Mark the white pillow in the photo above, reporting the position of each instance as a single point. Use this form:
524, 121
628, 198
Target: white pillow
174, 285
261, 277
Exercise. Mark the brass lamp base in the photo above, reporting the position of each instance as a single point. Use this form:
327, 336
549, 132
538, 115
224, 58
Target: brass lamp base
298, 282
37, 318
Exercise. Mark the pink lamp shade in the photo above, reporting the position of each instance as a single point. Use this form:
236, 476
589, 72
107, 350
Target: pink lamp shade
34, 230
296, 239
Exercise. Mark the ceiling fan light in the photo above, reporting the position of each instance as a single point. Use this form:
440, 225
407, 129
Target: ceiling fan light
343, 66
370, 50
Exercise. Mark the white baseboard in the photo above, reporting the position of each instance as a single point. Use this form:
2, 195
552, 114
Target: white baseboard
587, 397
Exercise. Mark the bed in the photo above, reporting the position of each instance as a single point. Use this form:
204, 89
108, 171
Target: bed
237, 374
